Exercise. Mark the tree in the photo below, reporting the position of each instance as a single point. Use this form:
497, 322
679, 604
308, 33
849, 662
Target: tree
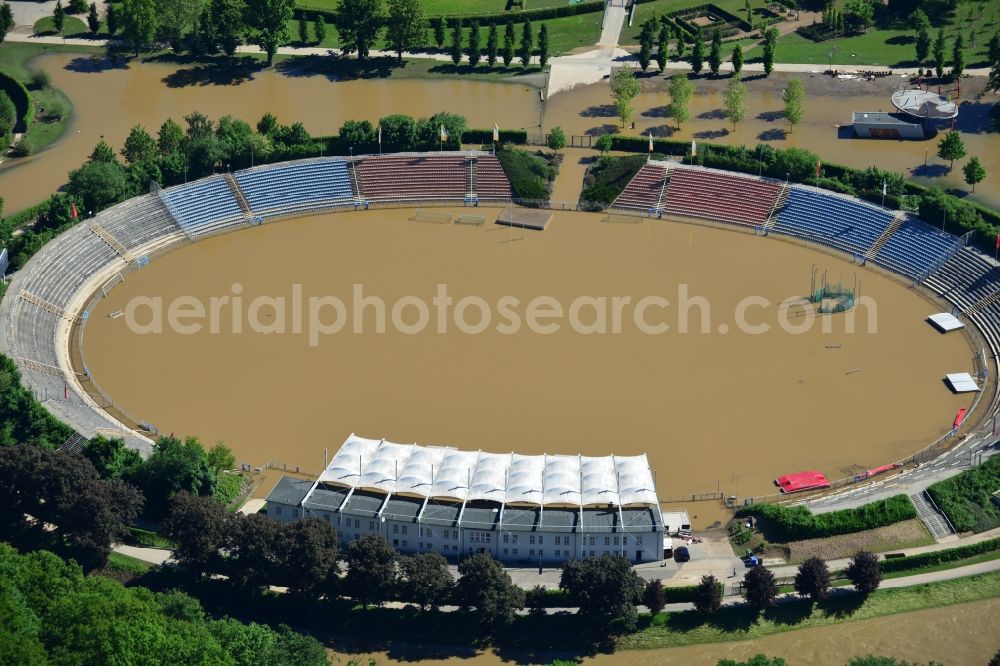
527, 44
679, 36
112, 18
475, 52
993, 85
93, 20
770, 43
319, 28
405, 25
359, 23
994, 49
267, 22
426, 580
698, 54
859, 13
102, 152
6, 21
813, 579
456, 43
8, 118
492, 45
176, 18
654, 597
309, 557
110, 457
951, 147
662, 45
139, 22
923, 44
303, 30
535, 600
399, 132
606, 589
708, 595
437, 23
267, 124
99, 184
168, 139
483, 585
735, 99
200, 527
864, 572
794, 98
508, 44
371, 570
715, 53
174, 466
604, 143
737, 60
646, 37
359, 134
681, 92
756, 660
974, 172
226, 24
557, 139
957, 57
760, 587
58, 16
939, 47
139, 146
543, 46
220, 457
624, 89
254, 547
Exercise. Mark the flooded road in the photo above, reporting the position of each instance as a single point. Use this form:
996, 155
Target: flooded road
959, 635
717, 407
109, 100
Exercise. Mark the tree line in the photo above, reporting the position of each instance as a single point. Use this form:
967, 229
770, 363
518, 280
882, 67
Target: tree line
52, 612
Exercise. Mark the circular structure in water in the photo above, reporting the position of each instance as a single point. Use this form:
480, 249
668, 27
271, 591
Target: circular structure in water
745, 383
924, 104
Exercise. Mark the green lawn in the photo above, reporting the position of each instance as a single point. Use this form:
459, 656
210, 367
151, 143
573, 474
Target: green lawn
72, 27
740, 623
643, 12
565, 34
444, 7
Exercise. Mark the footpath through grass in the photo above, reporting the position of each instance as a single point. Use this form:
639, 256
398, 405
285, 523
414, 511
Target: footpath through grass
741, 623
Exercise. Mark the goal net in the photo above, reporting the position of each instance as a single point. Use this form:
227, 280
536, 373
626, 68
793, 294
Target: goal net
431, 217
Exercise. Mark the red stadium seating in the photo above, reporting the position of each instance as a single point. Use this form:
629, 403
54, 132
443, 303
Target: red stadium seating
644, 190
395, 177
720, 197
491, 180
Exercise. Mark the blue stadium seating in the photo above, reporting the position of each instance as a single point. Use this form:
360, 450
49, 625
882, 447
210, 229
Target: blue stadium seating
203, 206
915, 249
297, 187
843, 224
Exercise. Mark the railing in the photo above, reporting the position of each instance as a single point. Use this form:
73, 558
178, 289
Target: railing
294, 469
934, 506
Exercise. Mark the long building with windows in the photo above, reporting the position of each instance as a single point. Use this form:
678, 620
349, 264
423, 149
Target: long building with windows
523, 510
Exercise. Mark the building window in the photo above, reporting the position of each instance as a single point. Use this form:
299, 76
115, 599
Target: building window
541, 553
395, 529
295, 513
504, 551
404, 529
506, 538
591, 543
357, 524
454, 535
395, 542
540, 539
404, 543
558, 553
531, 552
616, 541
515, 551
531, 539
592, 553
421, 531
277, 510
607, 541
455, 548
420, 545
371, 525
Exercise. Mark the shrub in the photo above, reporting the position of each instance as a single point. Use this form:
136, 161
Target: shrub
939, 556
784, 523
529, 174
965, 498
607, 179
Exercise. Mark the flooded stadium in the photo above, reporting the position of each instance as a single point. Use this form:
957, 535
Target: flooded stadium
718, 407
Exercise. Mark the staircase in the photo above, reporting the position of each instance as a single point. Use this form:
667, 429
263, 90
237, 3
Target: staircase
74, 444
104, 235
238, 193
45, 305
937, 523
471, 184
984, 302
359, 194
779, 203
884, 238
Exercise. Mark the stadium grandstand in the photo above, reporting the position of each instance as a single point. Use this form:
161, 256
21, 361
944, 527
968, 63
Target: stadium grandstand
47, 300
521, 509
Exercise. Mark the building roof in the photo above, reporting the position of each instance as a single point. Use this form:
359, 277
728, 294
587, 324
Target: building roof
438, 512
560, 520
289, 490
402, 508
443, 472
481, 515
326, 497
521, 518
363, 503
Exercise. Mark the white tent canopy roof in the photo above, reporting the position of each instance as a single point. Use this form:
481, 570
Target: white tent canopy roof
436, 471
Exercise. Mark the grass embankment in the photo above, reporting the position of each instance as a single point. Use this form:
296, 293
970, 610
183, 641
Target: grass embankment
52, 107
966, 498
72, 27
609, 177
741, 623
531, 174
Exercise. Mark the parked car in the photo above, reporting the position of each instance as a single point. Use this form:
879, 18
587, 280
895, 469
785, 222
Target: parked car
681, 554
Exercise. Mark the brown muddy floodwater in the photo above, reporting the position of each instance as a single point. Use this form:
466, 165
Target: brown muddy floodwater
719, 408
109, 99
588, 110
959, 635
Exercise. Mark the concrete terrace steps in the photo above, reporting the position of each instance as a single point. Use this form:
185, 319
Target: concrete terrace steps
46, 305
884, 238
234, 187
104, 235
985, 302
937, 523
779, 203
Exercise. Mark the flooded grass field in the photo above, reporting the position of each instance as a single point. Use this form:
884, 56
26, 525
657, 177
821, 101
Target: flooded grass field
718, 407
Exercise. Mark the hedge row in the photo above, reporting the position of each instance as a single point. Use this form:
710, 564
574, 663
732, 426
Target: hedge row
310, 13
939, 557
483, 136
783, 523
22, 100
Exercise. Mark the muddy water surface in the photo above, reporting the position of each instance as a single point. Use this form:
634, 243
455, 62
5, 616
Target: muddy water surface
588, 110
714, 409
960, 635
109, 99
